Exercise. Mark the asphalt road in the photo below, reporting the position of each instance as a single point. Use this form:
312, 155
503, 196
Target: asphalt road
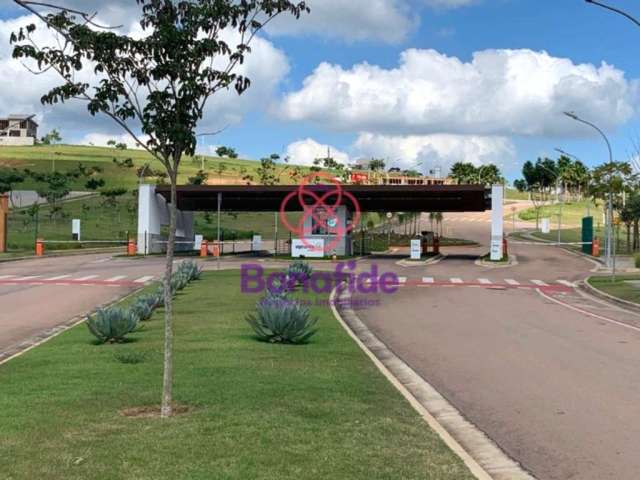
550, 378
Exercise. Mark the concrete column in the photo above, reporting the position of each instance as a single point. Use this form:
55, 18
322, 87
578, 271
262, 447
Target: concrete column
497, 222
152, 213
4, 213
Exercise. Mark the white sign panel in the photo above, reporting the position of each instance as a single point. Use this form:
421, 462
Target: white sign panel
545, 225
416, 249
310, 248
256, 243
497, 222
197, 243
75, 228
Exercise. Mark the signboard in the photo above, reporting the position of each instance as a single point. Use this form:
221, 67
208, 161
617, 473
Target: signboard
416, 249
75, 229
197, 243
256, 243
544, 226
496, 249
309, 248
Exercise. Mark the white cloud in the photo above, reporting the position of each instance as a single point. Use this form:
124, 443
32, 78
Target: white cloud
449, 3
499, 92
429, 151
304, 152
101, 139
355, 20
266, 66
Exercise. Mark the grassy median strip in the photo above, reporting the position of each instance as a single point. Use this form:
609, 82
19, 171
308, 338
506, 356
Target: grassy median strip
625, 287
257, 411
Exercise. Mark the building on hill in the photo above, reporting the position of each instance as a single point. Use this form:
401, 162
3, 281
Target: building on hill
18, 130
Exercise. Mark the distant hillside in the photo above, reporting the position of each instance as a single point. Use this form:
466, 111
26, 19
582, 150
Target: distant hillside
67, 157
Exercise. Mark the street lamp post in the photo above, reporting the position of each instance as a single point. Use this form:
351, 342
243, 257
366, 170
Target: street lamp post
615, 10
567, 154
611, 262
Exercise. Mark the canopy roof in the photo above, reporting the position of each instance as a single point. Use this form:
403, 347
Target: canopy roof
371, 198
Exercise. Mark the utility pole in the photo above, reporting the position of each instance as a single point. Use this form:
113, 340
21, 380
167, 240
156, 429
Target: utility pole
611, 262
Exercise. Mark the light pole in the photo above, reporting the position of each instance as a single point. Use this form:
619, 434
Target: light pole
611, 262
615, 10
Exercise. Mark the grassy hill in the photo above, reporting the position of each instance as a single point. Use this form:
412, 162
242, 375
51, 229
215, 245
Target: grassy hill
47, 158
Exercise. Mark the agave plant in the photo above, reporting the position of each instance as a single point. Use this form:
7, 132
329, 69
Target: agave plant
112, 324
299, 271
190, 269
279, 319
143, 308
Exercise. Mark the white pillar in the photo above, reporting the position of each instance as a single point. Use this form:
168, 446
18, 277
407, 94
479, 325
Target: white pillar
152, 213
497, 222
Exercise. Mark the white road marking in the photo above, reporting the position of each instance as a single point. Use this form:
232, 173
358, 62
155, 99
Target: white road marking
511, 281
402, 279
88, 277
540, 283
116, 278
456, 280
484, 281
566, 283
428, 280
143, 279
23, 279
59, 277
3, 277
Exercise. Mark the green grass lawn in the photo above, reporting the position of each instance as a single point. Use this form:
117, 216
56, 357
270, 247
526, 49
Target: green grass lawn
572, 213
46, 158
259, 411
621, 288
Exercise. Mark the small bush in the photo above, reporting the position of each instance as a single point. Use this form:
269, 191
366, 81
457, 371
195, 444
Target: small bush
130, 358
281, 320
112, 324
300, 271
143, 309
190, 269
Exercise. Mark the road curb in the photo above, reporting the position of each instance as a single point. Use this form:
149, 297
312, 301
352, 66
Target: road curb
512, 262
413, 263
50, 333
63, 253
586, 287
481, 455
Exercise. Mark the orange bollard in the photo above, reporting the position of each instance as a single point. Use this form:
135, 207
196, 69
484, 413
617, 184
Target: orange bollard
204, 248
132, 248
39, 247
216, 250
596, 247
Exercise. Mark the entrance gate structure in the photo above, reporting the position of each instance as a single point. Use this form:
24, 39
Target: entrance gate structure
153, 207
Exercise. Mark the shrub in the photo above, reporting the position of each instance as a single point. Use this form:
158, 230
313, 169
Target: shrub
143, 309
190, 269
300, 271
112, 324
281, 320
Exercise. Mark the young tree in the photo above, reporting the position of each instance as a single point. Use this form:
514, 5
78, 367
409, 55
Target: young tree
51, 138
226, 152
267, 172
181, 61
377, 164
200, 178
112, 197
8, 178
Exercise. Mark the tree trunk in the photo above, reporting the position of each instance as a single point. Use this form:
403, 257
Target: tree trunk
628, 238
167, 378
635, 234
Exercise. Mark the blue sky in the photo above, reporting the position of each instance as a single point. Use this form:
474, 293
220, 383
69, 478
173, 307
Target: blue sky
274, 119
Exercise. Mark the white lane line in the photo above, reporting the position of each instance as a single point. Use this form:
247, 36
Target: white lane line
23, 279
428, 280
3, 277
143, 279
511, 281
567, 283
88, 277
484, 281
540, 283
402, 279
59, 277
116, 278
456, 280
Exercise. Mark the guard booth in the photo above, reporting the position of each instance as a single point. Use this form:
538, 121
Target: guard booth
430, 240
